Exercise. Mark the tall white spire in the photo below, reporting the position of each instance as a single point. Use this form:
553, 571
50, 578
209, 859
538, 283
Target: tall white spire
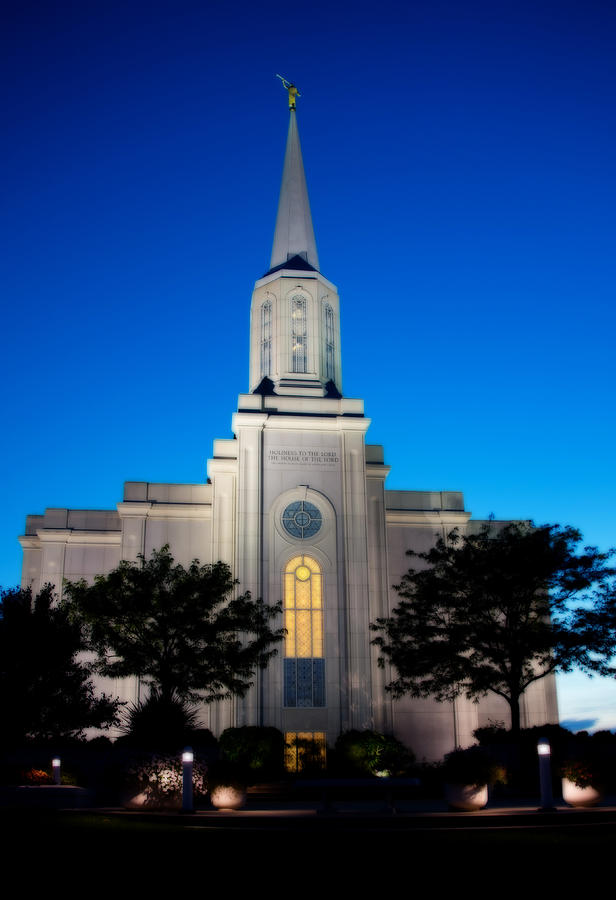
294, 234
295, 311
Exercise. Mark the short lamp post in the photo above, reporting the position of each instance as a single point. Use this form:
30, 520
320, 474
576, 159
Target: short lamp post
545, 775
187, 780
56, 768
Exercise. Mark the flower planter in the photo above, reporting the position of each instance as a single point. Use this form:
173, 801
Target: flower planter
155, 781
575, 795
466, 797
228, 797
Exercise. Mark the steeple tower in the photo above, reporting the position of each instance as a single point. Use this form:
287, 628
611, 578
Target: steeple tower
295, 317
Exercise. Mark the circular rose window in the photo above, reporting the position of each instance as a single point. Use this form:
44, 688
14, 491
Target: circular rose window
301, 519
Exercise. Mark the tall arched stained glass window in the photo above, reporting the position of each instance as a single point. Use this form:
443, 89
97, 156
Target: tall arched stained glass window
304, 665
298, 334
266, 338
328, 329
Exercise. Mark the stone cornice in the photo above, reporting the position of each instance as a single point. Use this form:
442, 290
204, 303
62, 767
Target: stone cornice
334, 424
285, 404
222, 466
297, 275
69, 536
426, 517
377, 470
152, 509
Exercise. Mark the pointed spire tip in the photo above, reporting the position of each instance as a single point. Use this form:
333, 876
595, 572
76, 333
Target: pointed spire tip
294, 232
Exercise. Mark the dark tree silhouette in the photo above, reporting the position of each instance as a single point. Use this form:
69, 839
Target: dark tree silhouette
45, 687
179, 629
496, 611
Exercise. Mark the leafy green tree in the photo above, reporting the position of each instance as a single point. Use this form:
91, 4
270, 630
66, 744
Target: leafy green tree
496, 611
599, 619
179, 629
45, 687
256, 751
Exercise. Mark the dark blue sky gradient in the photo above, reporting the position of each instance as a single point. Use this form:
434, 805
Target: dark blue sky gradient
460, 163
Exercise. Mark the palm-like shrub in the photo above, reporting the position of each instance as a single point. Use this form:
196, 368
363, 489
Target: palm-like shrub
160, 723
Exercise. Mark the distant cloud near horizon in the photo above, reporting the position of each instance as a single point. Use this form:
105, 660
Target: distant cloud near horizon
579, 724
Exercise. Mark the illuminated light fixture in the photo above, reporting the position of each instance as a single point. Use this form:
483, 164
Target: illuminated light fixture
545, 775
187, 780
56, 767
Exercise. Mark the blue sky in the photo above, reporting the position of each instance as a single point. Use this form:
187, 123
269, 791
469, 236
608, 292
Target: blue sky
460, 167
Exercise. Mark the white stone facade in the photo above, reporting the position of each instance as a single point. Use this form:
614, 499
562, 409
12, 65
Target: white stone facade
299, 455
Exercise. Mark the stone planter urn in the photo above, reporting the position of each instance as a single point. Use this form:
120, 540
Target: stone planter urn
227, 796
466, 797
575, 795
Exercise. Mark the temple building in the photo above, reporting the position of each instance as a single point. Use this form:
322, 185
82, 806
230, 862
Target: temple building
296, 504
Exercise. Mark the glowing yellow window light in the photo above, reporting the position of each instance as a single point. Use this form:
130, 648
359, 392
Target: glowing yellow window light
304, 749
303, 619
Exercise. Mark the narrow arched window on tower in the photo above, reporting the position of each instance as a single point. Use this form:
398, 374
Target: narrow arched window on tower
304, 665
298, 334
266, 338
328, 329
